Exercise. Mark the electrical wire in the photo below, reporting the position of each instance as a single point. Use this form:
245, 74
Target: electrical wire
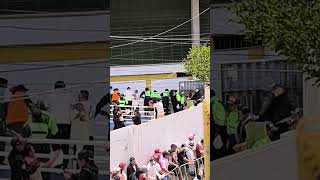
162, 32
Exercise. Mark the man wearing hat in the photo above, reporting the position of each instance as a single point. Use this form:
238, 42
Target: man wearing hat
276, 106
17, 113
3, 111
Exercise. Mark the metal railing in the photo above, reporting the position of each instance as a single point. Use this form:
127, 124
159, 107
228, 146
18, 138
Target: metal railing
147, 113
188, 170
101, 159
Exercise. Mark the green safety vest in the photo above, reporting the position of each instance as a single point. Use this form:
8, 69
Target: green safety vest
182, 99
178, 97
218, 112
190, 104
232, 122
122, 102
256, 134
155, 95
42, 128
147, 93
165, 93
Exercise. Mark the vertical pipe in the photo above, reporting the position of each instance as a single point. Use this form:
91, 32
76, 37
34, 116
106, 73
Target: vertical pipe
195, 23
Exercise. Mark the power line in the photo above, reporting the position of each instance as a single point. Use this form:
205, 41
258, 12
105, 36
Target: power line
162, 32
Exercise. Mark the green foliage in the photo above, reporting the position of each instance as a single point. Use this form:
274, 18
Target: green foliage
197, 63
290, 27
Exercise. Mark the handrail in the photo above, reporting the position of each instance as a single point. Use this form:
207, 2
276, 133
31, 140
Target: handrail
65, 156
56, 170
57, 141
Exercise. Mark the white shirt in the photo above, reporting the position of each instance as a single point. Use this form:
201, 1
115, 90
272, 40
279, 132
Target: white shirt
153, 171
59, 104
160, 109
190, 154
164, 162
129, 95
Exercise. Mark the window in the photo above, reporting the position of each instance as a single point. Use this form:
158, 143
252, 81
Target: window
233, 41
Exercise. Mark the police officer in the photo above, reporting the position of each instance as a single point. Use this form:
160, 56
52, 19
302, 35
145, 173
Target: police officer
123, 101
232, 120
218, 117
178, 98
183, 100
165, 101
155, 95
147, 96
42, 125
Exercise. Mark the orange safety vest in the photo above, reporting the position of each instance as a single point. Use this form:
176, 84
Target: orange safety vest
115, 96
17, 110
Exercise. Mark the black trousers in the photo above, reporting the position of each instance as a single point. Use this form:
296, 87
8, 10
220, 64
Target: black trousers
64, 133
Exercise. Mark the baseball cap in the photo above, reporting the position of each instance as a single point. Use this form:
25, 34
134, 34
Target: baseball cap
122, 165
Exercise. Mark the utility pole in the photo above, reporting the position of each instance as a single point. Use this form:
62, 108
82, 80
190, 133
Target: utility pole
195, 23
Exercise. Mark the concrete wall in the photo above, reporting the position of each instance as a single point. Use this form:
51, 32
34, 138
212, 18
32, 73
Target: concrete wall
311, 97
140, 141
39, 29
276, 161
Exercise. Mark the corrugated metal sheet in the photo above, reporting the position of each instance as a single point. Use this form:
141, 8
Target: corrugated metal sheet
249, 80
187, 86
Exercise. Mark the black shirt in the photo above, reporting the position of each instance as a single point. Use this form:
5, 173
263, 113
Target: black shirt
181, 156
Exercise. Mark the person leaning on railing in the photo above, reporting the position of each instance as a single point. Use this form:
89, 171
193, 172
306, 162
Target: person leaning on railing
88, 170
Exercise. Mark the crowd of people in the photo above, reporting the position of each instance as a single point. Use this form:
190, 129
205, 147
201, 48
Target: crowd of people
164, 103
235, 128
165, 165
55, 115
25, 165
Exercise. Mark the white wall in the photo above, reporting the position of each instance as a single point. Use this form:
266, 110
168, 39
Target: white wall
311, 97
30, 34
276, 161
140, 141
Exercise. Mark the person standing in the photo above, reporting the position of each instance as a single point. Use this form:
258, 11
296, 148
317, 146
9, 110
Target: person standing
136, 98
132, 168
232, 121
183, 100
147, 96
174, 101
3, 112
79, 126
178, 98
129, 95
165, 101
244, 118
17, 113
115, 96
18, 168
88, 169
137, 117
218, 117
59, 105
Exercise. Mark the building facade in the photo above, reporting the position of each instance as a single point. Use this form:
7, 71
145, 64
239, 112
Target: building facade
136, 20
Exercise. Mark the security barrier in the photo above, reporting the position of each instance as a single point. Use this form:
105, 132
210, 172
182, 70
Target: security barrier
189, 170
100, 157
147, 113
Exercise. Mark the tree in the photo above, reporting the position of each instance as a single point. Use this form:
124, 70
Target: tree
197, 63
290, 27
